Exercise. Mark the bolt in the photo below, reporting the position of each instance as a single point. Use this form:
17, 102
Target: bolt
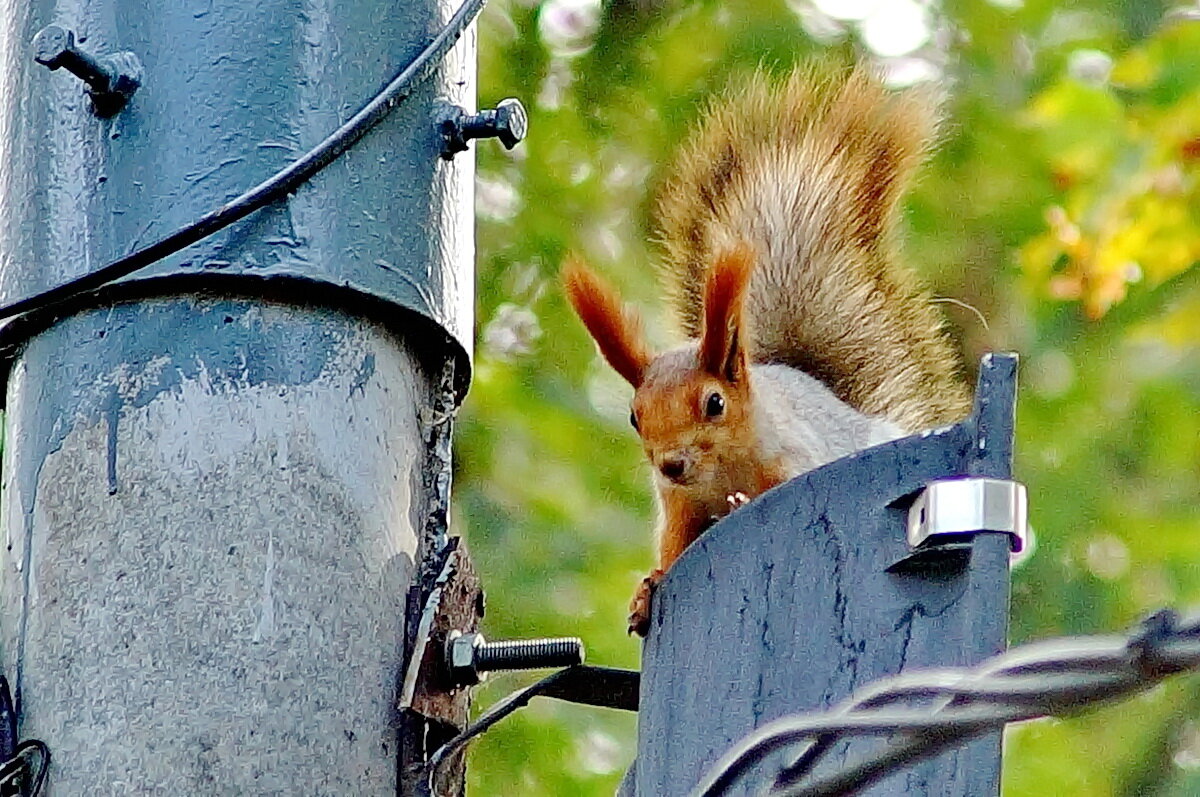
470, 657
111, 79
507, 122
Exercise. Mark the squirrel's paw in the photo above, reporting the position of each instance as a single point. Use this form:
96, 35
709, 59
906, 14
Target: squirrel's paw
639, 607
738, 499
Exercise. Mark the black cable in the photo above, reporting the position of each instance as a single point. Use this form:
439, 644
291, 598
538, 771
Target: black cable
953, 691
278, 185
791, 730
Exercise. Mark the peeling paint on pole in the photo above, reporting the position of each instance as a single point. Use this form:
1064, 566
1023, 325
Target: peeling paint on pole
190, 525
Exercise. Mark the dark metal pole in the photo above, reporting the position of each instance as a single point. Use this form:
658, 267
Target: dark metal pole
812, 592
222, 477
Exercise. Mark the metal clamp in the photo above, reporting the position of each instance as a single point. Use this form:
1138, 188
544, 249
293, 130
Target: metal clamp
969, 506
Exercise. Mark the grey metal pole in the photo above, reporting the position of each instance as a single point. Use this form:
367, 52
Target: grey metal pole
219, 477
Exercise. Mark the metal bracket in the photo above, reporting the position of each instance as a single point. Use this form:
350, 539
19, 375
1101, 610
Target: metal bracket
455, 603
947, 510
605, 687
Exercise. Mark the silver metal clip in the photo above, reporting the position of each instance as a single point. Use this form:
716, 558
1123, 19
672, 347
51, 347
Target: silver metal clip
969, 506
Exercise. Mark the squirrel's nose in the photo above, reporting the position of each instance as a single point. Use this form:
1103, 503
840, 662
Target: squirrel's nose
673, 467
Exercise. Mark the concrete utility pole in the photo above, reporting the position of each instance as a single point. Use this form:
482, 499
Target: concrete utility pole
218, 475
815, 591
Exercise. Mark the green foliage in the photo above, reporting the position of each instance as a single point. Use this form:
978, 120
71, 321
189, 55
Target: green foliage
1062, 204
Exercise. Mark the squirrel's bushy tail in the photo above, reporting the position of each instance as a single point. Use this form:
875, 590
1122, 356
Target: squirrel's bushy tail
809, 171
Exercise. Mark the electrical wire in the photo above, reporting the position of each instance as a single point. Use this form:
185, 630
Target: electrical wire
498, 711
961, 704
1037, 680
278, 185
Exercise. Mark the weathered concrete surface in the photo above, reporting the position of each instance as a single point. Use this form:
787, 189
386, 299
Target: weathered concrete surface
209, 537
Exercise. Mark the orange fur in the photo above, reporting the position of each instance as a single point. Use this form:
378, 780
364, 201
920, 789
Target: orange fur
616, 330
721, 350
701, 459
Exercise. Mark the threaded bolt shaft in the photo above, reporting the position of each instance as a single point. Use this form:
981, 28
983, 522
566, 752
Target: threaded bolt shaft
529, 654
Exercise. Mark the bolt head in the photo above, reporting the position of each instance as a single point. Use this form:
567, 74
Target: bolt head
511, 122
126, 70
51, 44
460, 658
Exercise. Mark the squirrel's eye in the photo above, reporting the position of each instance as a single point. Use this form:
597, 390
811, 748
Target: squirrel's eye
633, 420
714, 406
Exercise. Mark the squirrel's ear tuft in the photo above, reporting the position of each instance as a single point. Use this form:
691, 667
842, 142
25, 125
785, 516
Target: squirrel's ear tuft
722, 352
616, 330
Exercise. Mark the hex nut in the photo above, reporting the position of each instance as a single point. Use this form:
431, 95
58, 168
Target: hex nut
461, 657
512, 122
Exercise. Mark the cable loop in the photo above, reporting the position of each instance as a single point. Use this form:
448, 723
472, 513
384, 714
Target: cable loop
954, 706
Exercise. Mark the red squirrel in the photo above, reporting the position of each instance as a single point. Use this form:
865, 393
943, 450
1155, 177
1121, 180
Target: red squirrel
809, 340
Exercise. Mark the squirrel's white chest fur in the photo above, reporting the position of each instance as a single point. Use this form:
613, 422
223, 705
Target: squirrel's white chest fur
804, 424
